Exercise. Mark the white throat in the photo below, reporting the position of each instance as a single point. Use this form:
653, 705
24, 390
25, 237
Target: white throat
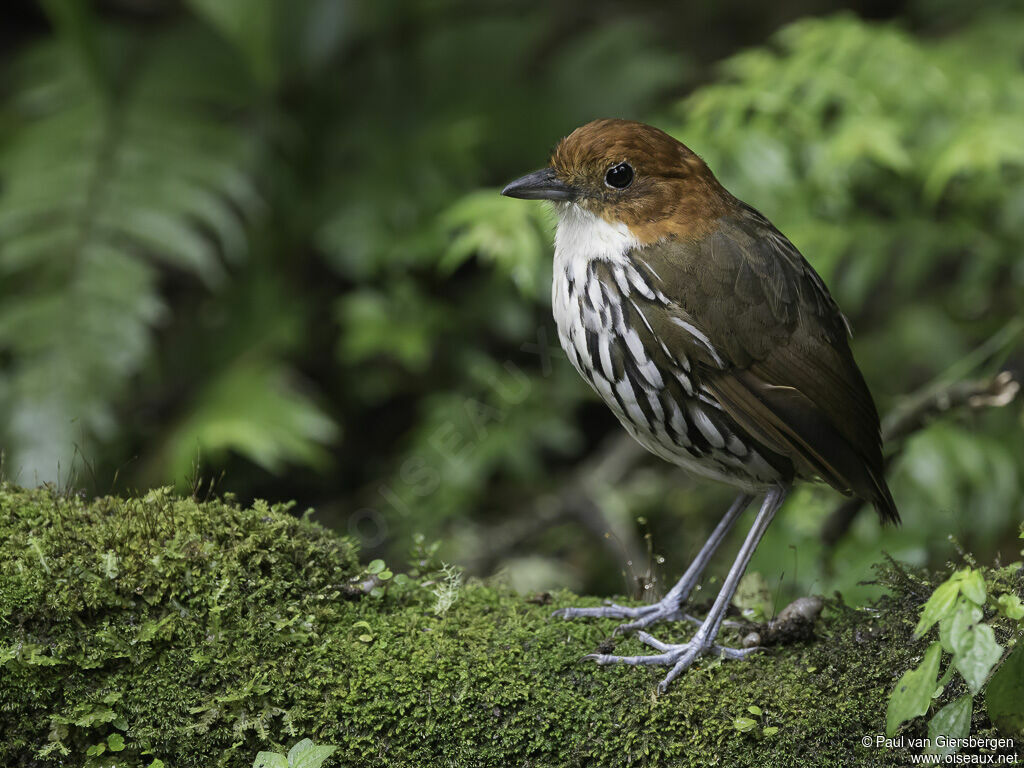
582, 237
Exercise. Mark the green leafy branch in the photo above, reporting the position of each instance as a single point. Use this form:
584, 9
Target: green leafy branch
957, 607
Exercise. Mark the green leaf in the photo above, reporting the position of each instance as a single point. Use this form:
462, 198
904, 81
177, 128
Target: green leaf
270, 760
1010, 606
754, 710
980, 145
973, 586
954, 629
375, 566
157, 763
952, 721
306, 755
257, 408
939, 605
115, 742
1004, 697
515, 238
913, 693
744, 724
977, 652
297, 749
771, 730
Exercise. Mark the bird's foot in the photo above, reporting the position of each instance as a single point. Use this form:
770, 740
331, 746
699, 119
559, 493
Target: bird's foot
642, 616
677, 656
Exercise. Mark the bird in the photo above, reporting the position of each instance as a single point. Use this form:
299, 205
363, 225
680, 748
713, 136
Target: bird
712, 340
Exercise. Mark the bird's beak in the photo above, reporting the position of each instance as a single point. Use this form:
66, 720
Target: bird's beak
540, 185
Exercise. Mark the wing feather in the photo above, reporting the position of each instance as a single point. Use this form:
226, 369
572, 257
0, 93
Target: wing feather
780, 362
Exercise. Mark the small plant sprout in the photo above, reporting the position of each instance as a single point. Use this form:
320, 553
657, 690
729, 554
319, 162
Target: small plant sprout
380, 575
745, 724
379, 569
422, 555
446, 590
366, 636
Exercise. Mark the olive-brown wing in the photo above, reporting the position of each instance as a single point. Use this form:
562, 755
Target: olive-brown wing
771, 346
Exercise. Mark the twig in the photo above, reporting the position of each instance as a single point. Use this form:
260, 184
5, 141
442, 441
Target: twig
918, 410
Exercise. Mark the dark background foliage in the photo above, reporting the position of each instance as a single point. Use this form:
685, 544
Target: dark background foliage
258, 246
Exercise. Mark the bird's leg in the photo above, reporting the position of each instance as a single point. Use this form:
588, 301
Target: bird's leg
680, 656
669, 607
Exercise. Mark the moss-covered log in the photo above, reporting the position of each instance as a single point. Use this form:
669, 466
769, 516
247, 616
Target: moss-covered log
204, 632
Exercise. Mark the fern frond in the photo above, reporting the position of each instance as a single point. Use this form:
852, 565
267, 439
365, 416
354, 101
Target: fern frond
104, 184
255, 408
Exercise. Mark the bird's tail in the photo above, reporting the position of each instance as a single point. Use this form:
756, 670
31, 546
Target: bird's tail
883, 502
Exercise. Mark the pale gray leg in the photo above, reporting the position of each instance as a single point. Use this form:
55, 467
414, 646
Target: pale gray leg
669, 607
681, 656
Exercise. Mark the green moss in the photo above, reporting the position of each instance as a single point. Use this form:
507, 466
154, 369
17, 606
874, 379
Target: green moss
203, 633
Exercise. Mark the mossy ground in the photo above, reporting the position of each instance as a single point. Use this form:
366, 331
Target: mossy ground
204, 632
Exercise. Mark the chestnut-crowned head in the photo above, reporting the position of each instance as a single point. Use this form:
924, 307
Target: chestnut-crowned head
629, 173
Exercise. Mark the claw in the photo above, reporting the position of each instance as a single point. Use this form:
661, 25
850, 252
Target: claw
607, 611
643, 616
679, 657
603, 659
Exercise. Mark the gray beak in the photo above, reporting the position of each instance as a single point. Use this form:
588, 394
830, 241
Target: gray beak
540, 185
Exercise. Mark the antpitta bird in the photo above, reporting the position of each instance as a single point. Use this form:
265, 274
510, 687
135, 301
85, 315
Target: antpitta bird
709, 336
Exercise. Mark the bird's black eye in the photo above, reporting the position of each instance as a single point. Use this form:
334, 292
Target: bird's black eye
619, 176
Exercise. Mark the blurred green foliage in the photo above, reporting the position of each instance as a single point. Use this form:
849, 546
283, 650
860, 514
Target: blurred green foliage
261, 242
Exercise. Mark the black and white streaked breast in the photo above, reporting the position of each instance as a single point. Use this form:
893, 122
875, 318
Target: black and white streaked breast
602, 294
